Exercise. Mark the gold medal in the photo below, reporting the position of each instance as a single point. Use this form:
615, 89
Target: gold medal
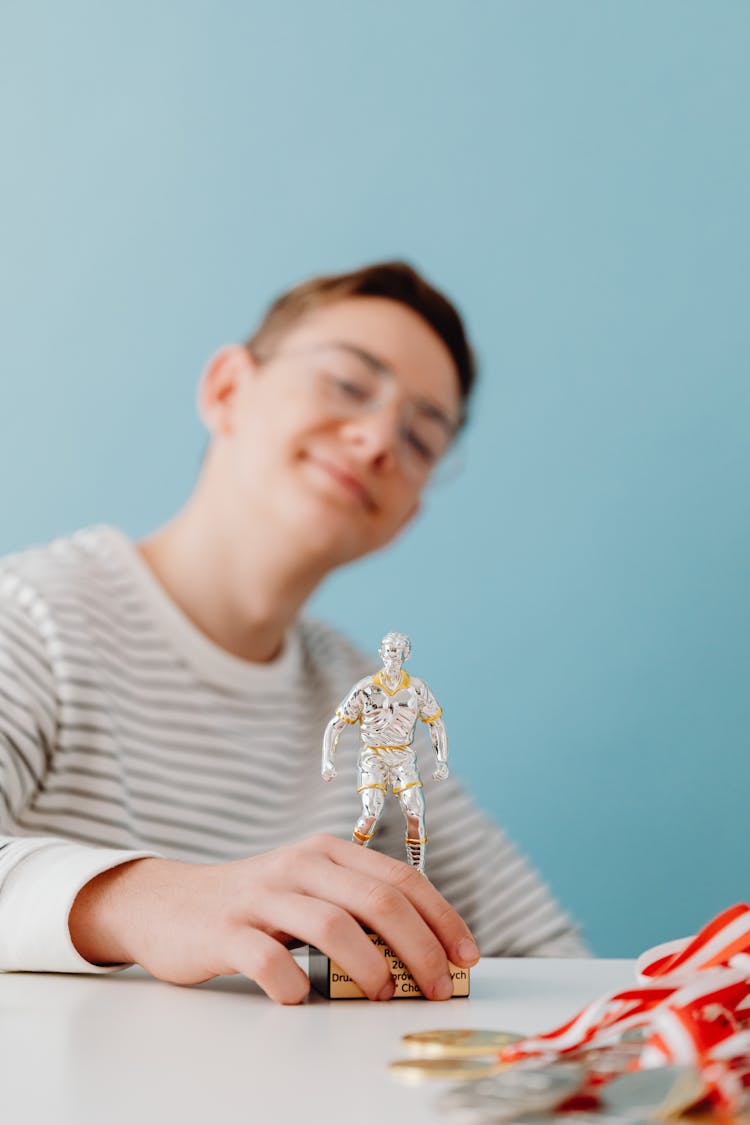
415, 1071
457, 1043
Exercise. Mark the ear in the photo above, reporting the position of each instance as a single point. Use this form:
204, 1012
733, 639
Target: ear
219, 385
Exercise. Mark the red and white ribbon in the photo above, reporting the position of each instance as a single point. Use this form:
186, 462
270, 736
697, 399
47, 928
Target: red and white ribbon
692, 1002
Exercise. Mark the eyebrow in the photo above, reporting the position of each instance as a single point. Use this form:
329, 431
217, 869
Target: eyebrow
384, 368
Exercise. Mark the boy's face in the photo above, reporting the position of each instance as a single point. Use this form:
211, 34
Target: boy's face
342, 482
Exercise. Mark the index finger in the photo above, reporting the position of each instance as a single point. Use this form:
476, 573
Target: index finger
445, 922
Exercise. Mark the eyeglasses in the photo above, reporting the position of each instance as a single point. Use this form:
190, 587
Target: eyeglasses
349, 382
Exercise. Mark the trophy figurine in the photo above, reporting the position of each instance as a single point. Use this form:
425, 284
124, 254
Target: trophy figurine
387, 707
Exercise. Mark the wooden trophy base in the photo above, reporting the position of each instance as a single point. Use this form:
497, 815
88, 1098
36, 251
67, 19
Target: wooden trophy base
331, 981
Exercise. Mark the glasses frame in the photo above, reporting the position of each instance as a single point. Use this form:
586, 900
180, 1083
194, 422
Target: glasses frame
452, 429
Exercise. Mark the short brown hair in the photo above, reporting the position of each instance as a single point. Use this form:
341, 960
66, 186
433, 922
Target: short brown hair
395, 280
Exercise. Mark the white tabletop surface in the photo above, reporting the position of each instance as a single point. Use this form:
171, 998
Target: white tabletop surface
79, 1050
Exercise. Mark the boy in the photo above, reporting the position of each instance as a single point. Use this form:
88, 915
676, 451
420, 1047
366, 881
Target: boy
163, 703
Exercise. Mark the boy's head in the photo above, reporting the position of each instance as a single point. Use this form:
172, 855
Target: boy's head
328, 423
396, 281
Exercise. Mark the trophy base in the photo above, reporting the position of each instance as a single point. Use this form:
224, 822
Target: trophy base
331, 981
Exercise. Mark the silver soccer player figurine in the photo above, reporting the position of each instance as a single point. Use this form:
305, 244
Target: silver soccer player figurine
387, 707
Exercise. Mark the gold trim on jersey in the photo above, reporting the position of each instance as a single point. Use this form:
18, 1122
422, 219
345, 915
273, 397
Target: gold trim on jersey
346, 718
361, 836
411, 785
434, 718
399, 746
404, 682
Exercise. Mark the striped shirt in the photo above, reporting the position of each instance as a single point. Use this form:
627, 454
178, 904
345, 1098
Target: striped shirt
125, 732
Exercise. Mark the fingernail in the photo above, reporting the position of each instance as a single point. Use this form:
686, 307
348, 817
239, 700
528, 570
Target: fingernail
467, 951
386, 993
443, 989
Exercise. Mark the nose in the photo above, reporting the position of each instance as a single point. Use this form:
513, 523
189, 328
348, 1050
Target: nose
376, 435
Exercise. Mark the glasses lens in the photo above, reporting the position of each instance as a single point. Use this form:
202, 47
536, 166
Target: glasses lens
348, 385
428, 437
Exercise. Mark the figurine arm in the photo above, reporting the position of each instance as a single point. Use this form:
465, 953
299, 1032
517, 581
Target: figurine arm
431, 713
330, 744
346, 714
439, 736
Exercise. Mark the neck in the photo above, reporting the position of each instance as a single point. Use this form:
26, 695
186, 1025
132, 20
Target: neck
242, 589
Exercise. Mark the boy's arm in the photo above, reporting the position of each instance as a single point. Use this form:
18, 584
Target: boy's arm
71, 908
187, 922
39, 876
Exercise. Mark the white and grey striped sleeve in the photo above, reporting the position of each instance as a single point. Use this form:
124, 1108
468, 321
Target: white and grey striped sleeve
40, 876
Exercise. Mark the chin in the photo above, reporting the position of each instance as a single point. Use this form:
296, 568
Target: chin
329, 520
325, 530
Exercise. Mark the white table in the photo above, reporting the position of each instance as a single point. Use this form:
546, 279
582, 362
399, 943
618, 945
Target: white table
77, 1050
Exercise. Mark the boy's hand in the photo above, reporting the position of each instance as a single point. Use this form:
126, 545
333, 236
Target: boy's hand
187, 922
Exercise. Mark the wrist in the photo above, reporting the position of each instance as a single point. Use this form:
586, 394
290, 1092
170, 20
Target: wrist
101, 919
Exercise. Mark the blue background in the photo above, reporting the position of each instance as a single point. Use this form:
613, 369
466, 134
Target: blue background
577, 176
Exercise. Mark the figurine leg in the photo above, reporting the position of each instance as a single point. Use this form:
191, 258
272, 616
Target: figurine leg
373, 799
412, 804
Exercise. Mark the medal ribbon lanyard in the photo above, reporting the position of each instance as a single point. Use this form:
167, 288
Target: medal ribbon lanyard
692, 1004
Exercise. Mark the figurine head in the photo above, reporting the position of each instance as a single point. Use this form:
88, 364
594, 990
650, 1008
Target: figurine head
395, 649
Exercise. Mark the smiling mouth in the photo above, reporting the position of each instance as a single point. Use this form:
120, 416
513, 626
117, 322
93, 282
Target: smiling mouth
349, 483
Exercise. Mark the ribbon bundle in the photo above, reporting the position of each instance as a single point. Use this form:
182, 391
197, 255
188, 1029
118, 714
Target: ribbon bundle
691, 1008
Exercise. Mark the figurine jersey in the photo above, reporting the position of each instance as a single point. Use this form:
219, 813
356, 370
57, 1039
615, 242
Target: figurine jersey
387, 707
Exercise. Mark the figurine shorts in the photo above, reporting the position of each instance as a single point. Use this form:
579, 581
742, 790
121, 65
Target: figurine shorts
388, 769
